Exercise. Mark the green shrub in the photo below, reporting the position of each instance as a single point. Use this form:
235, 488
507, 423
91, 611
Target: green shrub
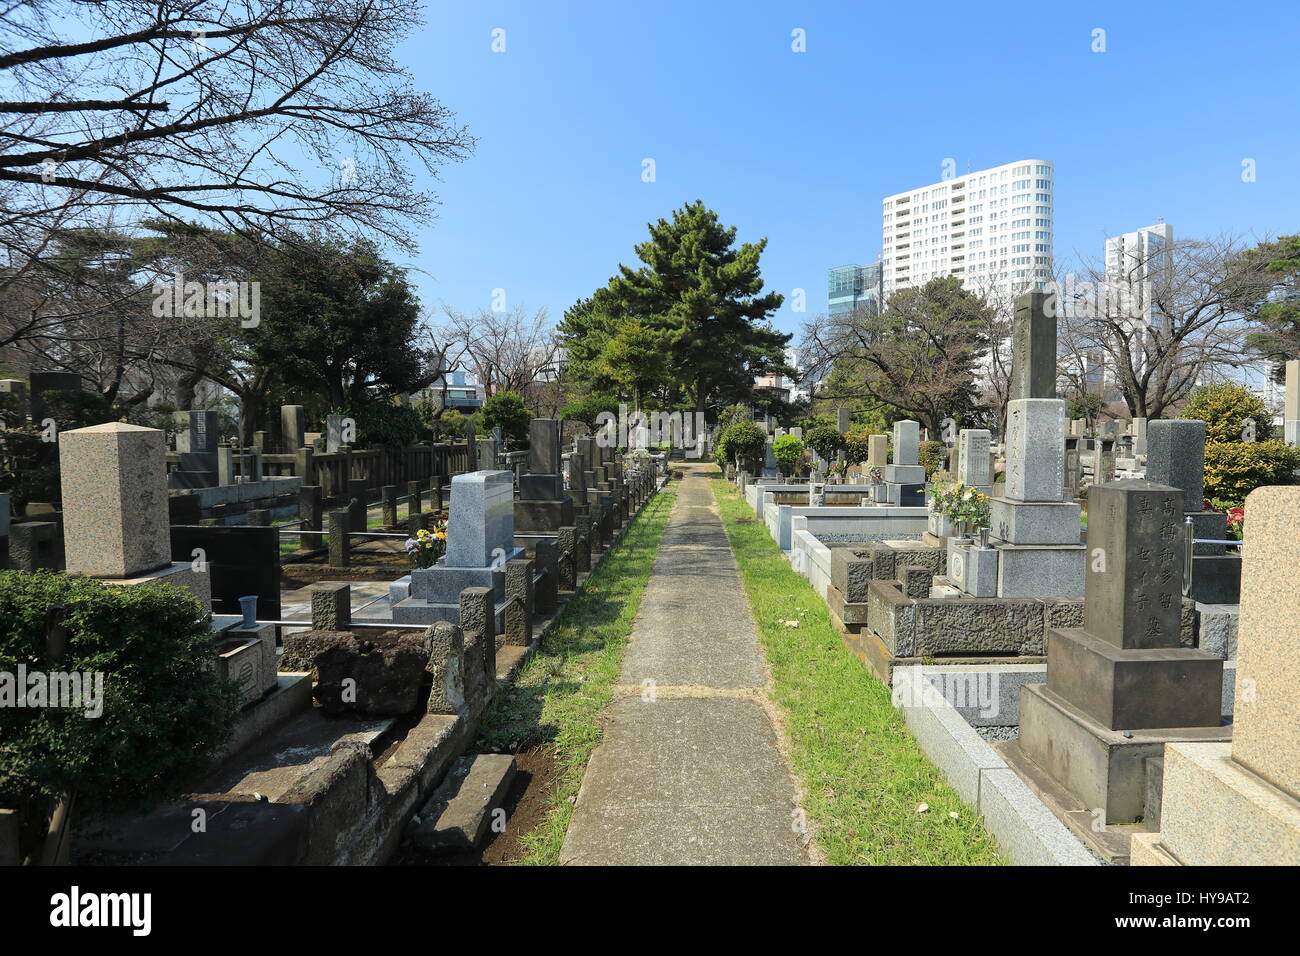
825, 439
385, 424
1235, 469
929, 454
743, 440
788, 450
506, 410
1224, 409
857, 443
164, 713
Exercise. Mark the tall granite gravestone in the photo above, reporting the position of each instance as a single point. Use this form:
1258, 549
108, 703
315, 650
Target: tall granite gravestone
480, 540
1035, 530
115, 520
334, 437
905, 478
1139, 437
974, 468
843, 419
878, 451
1238, 803
1122, 686
196, 442
543, 507
1176, 456
1033, 346
293, 428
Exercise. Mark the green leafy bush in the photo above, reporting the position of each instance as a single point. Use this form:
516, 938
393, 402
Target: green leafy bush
506, 410
825, 439
743, 440
930, 454
788, 450
1225, 408
1235, 469
857, 443
385, 424
164, 712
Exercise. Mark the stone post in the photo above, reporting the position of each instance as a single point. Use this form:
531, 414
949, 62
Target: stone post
331, 607
1033, 346
388, 505
340, 552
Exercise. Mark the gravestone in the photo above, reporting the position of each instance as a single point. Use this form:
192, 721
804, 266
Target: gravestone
843, 419
115, 516
1035, 529
1033, 346
1176, 456
334, 437
293, 428
543, 507
480, 540
877, 451
17, 389
906, 475
1139, 437
974, 468
1238, 803
196, 443
1122, 685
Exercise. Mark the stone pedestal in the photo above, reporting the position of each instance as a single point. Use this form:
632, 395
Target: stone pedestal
1122, 685
115, 522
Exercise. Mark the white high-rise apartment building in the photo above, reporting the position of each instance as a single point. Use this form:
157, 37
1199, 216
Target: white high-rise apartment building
991, 228
1135, 263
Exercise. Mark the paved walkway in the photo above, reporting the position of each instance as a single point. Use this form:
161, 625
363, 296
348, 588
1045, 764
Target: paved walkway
689, 771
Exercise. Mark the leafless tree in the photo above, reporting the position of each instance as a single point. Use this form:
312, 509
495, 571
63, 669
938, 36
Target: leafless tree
919, 356
245, 115
506, 351
1163, 324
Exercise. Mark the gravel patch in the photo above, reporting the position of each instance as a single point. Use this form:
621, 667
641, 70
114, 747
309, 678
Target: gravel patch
857, 537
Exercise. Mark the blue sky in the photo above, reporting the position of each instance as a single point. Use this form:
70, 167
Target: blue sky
801, 147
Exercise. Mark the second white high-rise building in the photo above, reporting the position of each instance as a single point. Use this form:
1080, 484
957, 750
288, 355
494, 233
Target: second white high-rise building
991, 228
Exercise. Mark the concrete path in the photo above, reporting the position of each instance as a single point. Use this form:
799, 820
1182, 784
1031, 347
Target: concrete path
689, 771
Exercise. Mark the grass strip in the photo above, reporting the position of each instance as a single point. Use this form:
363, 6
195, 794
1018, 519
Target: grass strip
558, 696
864, 777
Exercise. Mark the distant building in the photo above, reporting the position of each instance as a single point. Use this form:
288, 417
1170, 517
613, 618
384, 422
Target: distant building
1137, 263
991, 228
455, 392
850, 288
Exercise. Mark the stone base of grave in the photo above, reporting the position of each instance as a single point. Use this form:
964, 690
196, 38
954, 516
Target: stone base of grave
1007, 629
972, 569
871, 650
904, 495
847, 616
543, 517
254, 668
1128, 689
1041, 571
1034, 522
1216, 578
1217, 813
1104, 769
419, 611
179, 574
541, 487
905, 474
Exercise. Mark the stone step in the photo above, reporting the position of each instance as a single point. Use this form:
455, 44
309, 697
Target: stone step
459, 812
